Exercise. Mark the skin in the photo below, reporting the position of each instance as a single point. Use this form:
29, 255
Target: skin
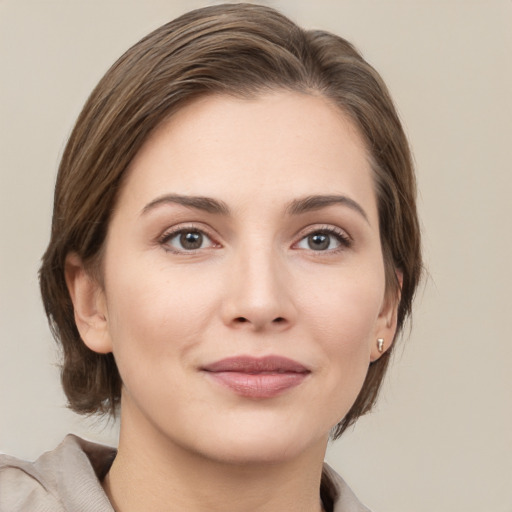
257, 285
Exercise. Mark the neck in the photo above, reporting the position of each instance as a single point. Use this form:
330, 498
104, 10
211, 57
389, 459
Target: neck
151, 473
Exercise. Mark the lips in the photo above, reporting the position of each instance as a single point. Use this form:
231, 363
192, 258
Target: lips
251, 377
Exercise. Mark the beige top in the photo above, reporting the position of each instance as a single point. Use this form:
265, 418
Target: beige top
68, 479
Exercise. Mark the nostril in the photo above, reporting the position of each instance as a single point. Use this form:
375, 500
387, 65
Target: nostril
258, 323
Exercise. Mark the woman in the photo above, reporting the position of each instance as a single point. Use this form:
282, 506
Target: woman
234, 249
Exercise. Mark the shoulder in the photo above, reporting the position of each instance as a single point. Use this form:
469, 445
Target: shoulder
22, 487
67, 478
343, 498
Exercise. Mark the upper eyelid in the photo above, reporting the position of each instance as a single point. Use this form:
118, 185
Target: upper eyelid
192, 226
173, 231
215, 238
323, 227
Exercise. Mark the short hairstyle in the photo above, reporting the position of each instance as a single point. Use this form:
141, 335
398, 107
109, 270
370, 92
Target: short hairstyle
240, 50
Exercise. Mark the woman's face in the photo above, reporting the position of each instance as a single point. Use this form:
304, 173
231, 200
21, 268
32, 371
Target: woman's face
244, 281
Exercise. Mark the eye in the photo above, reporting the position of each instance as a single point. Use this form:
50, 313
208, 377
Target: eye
185, 240
324, 240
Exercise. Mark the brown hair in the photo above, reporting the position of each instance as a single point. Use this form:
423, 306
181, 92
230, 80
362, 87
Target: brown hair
235, 49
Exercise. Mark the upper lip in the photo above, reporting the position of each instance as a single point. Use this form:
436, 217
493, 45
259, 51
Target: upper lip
249, 364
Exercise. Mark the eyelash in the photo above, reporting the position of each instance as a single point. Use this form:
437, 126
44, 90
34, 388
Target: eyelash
172, 233
341, 236
344, 240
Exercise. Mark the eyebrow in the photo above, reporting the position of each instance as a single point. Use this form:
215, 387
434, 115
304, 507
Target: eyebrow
296, 207
312, 203
206, 204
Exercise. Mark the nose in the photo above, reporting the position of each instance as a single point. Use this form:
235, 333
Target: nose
259, 293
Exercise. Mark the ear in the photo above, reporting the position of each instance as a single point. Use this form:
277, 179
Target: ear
89, 305
387, 321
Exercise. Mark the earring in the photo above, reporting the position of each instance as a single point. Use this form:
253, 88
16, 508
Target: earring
380, 345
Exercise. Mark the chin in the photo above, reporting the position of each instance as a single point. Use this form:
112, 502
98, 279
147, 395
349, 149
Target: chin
256, 452
260, 444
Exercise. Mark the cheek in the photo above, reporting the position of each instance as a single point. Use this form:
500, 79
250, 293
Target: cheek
344, 312
154, 313
342, 320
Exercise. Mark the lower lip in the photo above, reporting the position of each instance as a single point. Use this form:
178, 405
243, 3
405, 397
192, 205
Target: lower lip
258, 385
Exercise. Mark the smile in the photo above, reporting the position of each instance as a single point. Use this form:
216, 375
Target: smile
261, 378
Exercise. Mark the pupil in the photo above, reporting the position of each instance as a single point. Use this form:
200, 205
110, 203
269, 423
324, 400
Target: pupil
318, 241
191, 240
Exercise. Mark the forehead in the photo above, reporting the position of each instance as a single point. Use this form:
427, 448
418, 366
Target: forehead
273, 147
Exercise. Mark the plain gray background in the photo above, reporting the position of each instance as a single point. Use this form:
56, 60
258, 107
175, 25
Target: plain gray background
441, 437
